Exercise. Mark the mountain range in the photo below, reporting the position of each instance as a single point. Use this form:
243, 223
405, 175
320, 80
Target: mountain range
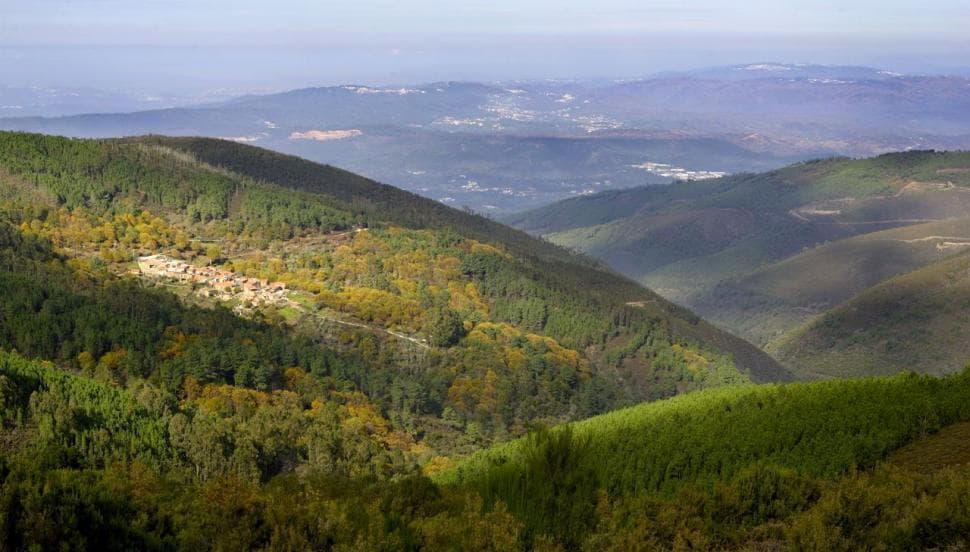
206, 344
500, 147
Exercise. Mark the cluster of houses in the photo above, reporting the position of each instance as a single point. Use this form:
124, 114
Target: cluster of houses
214, 282
677, 173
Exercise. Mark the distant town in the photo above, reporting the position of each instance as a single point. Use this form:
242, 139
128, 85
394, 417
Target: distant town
677, 173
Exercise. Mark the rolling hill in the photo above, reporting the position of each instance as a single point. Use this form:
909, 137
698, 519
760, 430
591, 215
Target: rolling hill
768, 302
919, 320
207, 345
504, 147
761, 254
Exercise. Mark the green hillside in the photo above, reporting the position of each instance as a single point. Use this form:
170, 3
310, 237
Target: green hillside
793, 466
782, 466
684, 238
919, 320
818, 429
86, 465
790, 187
764, 304
762, 254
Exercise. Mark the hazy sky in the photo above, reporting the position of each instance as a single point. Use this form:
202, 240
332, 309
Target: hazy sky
202, 44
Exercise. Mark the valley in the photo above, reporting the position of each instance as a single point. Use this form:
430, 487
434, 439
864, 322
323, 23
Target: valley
768, 255
502, 147
251, 339
494, 276
916, 318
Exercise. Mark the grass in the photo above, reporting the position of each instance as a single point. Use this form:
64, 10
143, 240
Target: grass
289, 314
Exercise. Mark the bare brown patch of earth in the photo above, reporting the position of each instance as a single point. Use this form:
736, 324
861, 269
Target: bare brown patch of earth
948, 447
917, 187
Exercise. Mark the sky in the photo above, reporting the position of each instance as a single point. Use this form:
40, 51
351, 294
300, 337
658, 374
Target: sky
204, 45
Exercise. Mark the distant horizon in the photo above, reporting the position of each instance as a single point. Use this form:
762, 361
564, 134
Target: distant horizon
183, 47
21, 68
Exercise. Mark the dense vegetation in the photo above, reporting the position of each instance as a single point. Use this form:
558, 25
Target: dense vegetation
522, 330
777, 441
563, 279
118, 329
116, 173
88, 465
819, 429
143, 414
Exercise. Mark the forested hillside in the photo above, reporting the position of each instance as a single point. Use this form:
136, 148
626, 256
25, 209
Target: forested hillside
87, 464
819, 429
206, 346
798, 466
457, 329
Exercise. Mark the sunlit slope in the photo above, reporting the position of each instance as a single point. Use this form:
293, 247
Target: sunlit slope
917, 321
459, 330
819, 429
765, 304
556, 268
683, 239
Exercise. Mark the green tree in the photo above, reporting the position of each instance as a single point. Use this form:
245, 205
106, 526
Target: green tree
444, 327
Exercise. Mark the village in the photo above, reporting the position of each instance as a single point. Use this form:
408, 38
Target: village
215, 282
225, 285
678, 173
